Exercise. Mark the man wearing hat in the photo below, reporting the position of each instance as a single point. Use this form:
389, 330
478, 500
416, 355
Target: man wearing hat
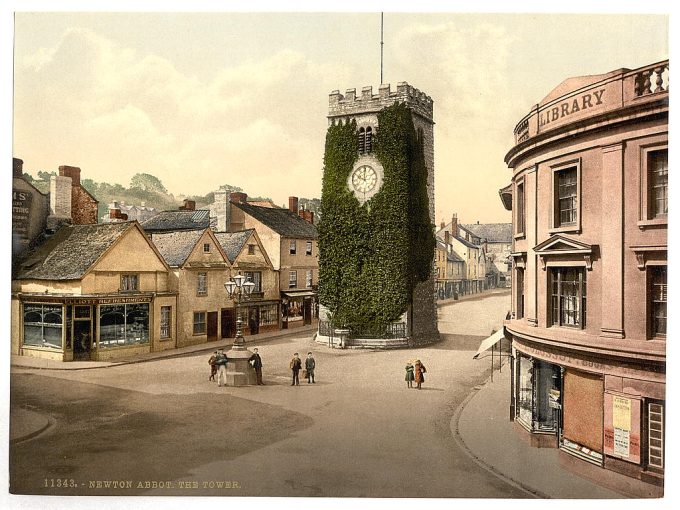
309, 367
213, 366
295, 366
221, 362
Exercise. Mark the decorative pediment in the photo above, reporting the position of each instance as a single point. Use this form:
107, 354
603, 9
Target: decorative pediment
559, 245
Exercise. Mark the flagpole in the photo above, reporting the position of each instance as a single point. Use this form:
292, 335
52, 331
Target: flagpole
381, 48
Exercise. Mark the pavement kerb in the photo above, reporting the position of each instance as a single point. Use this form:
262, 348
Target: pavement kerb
532, 493
173, 353
36, 431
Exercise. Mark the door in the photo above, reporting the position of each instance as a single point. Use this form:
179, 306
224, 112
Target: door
228, 323
307, 311
254, 321
82, 340
212, 326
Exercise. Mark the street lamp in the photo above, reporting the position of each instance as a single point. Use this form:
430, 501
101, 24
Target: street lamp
239, 371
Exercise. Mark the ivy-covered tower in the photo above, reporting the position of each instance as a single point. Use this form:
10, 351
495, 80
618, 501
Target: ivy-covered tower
376, 235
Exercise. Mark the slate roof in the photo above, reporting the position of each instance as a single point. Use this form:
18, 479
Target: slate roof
232, 242
492, 232
282, 221
175, 247
450, 255
72, 251
169, 221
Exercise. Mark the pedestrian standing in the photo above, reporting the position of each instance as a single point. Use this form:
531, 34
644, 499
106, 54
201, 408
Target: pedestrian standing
295, 366
213, 366
419, 370
256, 363
221, 363
409, 374
309, 366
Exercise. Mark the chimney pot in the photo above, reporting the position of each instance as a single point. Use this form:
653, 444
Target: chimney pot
238, 197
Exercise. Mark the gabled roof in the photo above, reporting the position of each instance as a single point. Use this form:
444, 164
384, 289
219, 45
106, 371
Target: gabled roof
492, 232
452, 256
460, 239
282, 221
169, 221
233, 242
175, 247
72, 251
559, 244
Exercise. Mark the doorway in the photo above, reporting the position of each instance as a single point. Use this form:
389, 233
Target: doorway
82, 340
228, 323
211, 327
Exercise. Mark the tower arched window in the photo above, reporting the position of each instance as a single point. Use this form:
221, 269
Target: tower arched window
365, 140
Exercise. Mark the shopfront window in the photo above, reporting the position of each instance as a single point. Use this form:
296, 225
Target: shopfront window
538, 388
43, 325
122, 325
268, 315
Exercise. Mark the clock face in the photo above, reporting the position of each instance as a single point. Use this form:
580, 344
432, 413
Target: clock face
364, 179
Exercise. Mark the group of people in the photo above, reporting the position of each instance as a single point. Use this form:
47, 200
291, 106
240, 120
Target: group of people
415, 371
307, 373
218, 366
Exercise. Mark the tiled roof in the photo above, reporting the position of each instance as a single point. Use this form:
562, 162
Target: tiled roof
232, 242
492, 232
168, 221
175, 247
282, 221
453, 257
70, 253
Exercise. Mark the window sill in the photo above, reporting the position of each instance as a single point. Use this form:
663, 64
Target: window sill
657, 222
165, 339
520, 235
568, 229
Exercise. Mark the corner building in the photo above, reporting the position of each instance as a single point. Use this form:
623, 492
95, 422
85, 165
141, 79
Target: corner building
589, 195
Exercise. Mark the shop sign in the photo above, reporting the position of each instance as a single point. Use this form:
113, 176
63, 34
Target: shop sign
90, 301
562, 358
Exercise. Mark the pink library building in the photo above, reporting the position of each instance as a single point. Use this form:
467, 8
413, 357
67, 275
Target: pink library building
589, 196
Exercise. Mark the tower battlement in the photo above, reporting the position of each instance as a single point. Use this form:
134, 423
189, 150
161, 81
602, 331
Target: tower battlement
367, 102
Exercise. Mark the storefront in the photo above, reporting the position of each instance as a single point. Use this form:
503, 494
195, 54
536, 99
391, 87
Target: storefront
260, 317
299, 308
84, 328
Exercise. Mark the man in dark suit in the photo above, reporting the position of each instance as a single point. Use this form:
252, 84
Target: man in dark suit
310, 364
256, 363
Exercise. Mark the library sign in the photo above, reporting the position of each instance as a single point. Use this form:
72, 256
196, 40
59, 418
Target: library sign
578, 105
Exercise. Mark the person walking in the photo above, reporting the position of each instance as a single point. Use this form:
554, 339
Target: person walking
419, 370
295, 366
309, 367
409, 374
221, 362
256, 363
213, 366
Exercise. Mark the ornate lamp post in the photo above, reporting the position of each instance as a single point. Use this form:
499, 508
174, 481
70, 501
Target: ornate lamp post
239, 371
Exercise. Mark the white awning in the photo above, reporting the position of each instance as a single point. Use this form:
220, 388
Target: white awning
300, 293
488, 342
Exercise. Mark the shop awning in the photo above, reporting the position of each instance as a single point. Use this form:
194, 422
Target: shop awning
487, 343
300, 293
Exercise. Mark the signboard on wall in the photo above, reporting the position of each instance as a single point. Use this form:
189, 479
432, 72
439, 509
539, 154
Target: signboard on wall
622, 427
21, 209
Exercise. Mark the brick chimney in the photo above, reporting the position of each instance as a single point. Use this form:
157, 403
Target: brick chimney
220, 210
293, 204
17, 168
454, 225
442, 225
71, 171
306, 215
238, 197
189, 205
447, 237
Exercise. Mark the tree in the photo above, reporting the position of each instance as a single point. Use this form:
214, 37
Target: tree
45, 176
147, 182
231, 189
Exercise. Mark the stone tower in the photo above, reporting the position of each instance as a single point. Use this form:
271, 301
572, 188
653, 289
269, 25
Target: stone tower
422, 314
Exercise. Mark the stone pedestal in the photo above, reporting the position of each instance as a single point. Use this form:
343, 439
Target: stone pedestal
239, 371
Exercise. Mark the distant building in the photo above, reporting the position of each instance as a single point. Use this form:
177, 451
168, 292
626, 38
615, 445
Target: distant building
497, 241
93, 292
449, 269
186, 218
589, 197
468, 247
120, 211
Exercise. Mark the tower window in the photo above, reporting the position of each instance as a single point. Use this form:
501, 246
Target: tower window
365, 140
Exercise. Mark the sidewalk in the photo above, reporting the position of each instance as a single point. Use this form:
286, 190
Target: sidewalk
225, 343
478, 295
482, 427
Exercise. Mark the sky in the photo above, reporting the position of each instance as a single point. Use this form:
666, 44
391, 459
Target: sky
205, 99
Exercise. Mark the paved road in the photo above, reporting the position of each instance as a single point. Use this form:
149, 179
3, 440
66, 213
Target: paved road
357, 432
